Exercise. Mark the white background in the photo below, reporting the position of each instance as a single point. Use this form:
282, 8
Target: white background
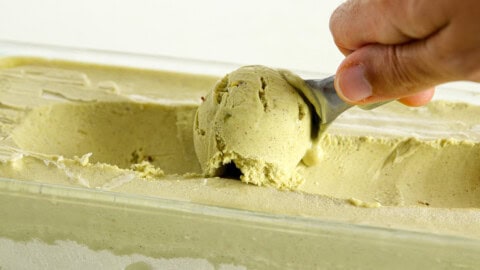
289, 34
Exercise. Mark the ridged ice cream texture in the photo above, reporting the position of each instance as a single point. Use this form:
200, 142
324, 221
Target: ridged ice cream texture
256, 122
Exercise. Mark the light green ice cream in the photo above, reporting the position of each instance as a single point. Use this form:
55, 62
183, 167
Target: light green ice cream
253, 120
102, 156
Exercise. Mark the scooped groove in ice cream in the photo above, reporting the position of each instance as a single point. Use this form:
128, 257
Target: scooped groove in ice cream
254, 125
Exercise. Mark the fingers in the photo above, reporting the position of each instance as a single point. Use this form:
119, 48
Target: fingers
357, 23
377, 73
397, 49
389, 52
418, 99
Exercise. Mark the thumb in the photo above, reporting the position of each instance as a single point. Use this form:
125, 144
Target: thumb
375, 73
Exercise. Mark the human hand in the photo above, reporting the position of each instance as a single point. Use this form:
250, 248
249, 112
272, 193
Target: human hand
402, 49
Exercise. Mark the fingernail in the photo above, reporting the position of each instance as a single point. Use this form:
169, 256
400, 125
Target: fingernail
353, 85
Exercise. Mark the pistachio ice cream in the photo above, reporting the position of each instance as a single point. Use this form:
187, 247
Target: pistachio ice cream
149, 133
255, 121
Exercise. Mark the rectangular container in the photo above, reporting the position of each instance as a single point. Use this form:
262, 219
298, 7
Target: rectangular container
57, 227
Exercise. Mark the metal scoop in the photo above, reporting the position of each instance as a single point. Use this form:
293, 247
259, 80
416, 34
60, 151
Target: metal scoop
326, 102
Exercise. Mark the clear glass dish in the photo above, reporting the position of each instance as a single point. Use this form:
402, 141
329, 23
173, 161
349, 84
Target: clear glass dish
54, 226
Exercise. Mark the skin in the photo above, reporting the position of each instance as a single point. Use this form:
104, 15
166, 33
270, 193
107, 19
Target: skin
402, 49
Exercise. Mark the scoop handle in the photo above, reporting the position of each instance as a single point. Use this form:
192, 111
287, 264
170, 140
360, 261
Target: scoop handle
372, 106
331, 105
326, 101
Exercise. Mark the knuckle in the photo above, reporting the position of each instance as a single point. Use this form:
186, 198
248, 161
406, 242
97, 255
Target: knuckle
402, 74
340, 24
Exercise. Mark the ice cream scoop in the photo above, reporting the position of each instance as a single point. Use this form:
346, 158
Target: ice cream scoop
323, 97
260, 125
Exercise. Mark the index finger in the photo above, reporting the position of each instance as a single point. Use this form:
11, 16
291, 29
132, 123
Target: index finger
357, 23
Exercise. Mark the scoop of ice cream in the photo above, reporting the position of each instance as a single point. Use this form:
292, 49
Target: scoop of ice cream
253, 122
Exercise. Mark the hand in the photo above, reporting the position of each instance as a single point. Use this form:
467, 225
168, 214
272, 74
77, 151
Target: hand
402, 49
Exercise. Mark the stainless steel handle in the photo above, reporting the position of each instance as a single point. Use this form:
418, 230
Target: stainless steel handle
327, 103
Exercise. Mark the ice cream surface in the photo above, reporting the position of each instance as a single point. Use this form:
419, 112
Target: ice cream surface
131, 131
254, 121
